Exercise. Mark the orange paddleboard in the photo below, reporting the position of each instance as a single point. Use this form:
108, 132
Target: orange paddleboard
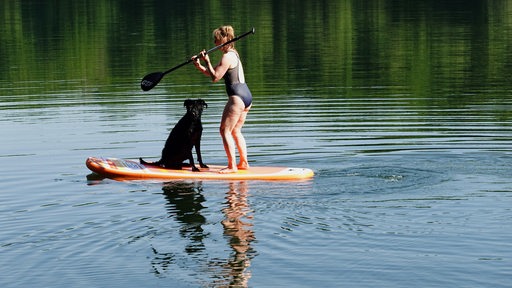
124, 169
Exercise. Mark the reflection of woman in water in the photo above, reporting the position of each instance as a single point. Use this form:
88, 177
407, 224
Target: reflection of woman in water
240, 233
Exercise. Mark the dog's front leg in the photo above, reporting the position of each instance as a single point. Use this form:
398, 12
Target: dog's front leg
199, 157
191, 161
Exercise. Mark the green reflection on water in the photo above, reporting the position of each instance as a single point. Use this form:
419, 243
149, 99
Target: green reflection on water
436, 52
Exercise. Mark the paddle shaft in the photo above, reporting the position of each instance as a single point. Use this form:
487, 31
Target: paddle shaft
210, 50
151, 80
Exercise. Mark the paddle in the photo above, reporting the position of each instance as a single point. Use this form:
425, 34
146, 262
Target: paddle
151, 80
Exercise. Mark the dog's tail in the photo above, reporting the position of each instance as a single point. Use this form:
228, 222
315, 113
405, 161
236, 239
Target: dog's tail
149, 163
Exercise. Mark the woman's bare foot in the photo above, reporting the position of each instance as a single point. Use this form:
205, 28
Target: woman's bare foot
227, 170
243, 166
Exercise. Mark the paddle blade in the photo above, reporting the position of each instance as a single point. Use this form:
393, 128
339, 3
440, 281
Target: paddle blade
149, 81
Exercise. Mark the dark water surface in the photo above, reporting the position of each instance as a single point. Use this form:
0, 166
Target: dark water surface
402, 110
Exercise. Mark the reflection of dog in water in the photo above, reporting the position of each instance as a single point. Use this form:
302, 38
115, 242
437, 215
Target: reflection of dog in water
185, 204
183, 137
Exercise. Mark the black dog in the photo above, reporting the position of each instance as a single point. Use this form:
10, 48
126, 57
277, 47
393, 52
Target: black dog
185, 135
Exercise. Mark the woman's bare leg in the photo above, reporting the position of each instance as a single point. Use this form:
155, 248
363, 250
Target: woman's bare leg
240, 140
233, 111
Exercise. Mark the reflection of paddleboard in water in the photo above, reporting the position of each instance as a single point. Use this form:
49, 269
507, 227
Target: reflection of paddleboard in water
123, 169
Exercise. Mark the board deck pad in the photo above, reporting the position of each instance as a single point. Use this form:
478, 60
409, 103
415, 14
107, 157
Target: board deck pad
125, 169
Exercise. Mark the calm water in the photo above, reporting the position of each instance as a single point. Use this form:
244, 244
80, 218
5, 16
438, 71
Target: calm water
402, 110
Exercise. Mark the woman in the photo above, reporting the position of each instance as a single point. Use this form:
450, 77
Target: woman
240, 98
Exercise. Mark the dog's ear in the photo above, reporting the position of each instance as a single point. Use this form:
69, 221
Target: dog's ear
204, 104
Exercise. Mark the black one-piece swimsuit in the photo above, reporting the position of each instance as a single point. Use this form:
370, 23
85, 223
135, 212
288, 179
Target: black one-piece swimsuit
233, 84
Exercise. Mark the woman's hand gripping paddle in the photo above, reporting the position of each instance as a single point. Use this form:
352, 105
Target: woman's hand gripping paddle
151, 80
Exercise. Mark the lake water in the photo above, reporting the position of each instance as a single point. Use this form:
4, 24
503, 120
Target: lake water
402, 110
